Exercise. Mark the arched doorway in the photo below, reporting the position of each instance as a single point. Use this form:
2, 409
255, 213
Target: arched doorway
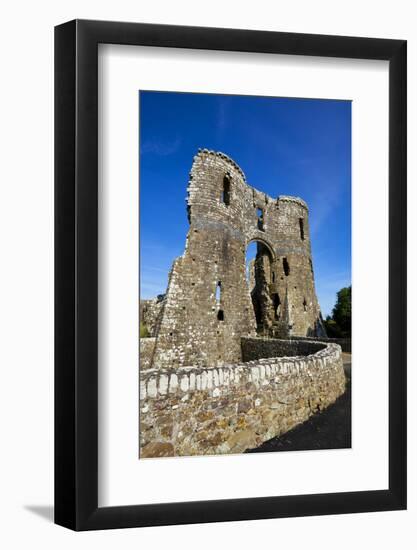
260, 276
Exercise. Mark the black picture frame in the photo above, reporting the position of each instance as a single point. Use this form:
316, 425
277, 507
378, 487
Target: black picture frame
76, 272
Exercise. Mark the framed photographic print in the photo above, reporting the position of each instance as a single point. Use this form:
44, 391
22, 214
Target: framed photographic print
230, 275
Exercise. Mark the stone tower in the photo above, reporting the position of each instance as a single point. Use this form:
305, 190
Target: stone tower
208, 306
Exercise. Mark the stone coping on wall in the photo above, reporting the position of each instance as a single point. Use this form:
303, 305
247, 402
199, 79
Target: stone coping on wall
297, 200
157, 383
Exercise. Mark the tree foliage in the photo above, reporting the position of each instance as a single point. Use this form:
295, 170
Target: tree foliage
339, 325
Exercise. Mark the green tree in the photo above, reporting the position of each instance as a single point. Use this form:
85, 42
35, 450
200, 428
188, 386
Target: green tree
342, 311
332, 328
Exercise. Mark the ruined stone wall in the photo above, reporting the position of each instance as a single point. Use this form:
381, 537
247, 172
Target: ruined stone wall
146, 349
197, 327
199, 411
294, 276
208, 305
149, 312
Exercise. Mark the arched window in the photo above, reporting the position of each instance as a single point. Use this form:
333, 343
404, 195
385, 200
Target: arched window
226, 190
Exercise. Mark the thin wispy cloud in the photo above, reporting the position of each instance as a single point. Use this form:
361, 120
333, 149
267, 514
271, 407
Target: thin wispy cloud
222, 118
151, 285
322, 207
326, 190
339, 281
150, 291
156, 269
161, 148
155, 265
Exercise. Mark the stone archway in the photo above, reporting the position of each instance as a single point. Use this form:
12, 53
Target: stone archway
261, 277
265, 243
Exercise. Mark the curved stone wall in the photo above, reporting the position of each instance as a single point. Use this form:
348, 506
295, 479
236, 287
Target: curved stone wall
199, 411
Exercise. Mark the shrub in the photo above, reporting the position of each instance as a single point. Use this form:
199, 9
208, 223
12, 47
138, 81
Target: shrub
143, 331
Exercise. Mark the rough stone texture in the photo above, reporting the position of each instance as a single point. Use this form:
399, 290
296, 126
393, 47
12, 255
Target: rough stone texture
200, 411
157, 449
150, 312
146, 348
208, 306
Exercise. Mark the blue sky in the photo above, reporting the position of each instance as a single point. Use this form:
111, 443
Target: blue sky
285, 146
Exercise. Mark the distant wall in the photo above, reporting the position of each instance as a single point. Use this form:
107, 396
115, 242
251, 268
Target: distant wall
257, 348
344, 343
198, 411
146, 348
149, 312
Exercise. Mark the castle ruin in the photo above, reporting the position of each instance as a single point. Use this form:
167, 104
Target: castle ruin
234, 360
209, 305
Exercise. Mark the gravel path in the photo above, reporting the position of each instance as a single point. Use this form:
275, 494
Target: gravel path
330, 429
